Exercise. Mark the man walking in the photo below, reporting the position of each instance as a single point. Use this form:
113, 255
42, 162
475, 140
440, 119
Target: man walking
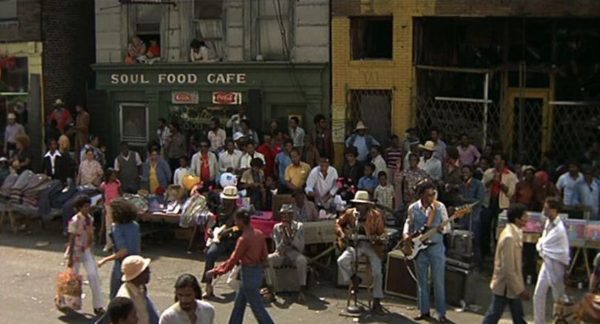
507, 283
553, 248
251, 252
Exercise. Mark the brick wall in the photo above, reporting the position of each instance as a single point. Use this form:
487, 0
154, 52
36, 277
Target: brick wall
68, 39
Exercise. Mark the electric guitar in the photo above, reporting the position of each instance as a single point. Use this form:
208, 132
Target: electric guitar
417, 242
219, 233
351, 237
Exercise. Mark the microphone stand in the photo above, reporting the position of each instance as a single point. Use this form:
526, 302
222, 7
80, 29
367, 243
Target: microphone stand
355, 309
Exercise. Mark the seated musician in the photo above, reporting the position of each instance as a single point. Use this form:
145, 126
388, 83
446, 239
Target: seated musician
227, 237
424, 214
289, 245
371, 225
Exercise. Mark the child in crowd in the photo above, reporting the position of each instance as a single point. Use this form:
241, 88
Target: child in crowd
79, 249
368, 182
384, 195
111, 188
182, 171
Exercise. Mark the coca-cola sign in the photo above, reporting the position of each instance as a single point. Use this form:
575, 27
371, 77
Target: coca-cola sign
227, 98
184, 97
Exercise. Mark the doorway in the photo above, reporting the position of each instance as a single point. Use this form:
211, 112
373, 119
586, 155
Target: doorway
528, 131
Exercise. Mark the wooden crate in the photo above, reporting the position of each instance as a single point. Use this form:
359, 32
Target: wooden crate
319, 232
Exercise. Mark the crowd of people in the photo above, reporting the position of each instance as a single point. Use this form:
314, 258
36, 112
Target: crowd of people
405, 182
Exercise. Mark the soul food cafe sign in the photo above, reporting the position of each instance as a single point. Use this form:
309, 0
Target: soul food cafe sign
176, 78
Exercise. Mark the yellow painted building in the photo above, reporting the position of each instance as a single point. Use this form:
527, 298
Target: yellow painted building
394, 75
501, 71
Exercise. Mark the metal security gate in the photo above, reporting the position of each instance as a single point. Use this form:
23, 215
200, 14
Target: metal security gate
374, 108
574, 126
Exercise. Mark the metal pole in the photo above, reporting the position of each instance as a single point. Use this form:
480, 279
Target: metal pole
486, 84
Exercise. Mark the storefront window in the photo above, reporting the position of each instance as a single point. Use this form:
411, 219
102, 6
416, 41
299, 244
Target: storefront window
8, 11
195, 119
14, 74
133, 122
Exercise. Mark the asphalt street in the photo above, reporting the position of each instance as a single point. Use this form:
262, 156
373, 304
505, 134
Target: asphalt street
30, 263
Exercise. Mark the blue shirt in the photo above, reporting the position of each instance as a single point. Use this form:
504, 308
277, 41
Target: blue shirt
126, 236
282, 160
368, 183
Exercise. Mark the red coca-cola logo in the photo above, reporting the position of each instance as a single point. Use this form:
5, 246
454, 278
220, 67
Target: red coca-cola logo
227, 98
183, 97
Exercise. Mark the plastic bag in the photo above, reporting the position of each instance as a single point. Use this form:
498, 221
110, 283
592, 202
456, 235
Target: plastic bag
233, 280
68, 291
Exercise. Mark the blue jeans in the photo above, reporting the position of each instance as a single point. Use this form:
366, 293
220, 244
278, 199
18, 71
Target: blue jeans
433, 257
250, 283
215, 251
494, 313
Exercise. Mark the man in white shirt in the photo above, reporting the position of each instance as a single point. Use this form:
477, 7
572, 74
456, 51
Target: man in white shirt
249, 155
440, 146
230, 158
553, 248
235, 120
182, 171
431, 165
568, 185
322, 183
296, 133
188, 307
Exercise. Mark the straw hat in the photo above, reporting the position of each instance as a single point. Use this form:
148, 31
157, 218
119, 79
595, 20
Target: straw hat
11, 116
360, 125
429, 146
133, 266
362, 197
58, 102
229, 192
526, 168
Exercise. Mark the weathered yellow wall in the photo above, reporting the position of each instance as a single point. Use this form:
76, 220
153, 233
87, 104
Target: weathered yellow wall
396, 74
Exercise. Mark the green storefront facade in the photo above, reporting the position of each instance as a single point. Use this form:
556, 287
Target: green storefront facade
130, 99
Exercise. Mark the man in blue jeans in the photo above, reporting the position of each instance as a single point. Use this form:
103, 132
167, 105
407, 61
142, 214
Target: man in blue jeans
507, 281
424, 214
251, 252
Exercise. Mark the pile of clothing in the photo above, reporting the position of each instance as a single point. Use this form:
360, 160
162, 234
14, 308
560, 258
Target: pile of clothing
22, 192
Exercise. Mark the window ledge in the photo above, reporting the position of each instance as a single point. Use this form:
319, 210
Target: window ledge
371, 62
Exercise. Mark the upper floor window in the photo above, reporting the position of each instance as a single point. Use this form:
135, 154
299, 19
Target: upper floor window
8, 10
275, 29
371, 37
208, 25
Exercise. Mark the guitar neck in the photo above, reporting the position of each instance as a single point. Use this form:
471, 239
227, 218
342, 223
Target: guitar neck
432, 231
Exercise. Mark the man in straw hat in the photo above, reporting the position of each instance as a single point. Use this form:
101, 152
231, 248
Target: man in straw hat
251, 253
362, 141
227, 235
289, 245
12, 130
431, 164
136, 275
369, 222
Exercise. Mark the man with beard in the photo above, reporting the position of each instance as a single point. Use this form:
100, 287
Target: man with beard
188, 307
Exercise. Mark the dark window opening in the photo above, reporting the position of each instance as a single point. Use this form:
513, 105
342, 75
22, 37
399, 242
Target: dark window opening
14, 74
371, 37
208, 9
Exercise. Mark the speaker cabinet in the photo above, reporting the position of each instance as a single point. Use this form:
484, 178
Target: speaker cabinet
398, 280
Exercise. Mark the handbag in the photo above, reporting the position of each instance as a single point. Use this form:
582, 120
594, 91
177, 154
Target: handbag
589, 308
68, 291
233, 279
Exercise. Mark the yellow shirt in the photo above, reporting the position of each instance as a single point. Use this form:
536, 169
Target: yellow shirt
153, 179
297, 174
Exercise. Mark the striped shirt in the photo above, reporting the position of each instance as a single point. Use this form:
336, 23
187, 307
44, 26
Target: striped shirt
394, 157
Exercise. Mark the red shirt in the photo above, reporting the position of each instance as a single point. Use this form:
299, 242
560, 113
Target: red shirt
497, 185
204, 168
155, 50
251, 249
269, 154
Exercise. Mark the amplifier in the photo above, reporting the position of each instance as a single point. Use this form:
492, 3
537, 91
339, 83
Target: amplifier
398, 280
460, 286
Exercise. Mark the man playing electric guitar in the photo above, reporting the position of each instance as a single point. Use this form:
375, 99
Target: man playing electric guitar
424, 214
368, 222
227, 237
